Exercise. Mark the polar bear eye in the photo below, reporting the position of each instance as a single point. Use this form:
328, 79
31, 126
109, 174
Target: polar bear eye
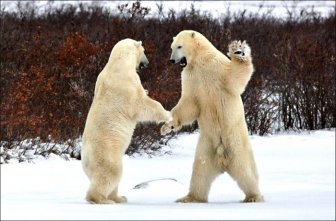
179, 47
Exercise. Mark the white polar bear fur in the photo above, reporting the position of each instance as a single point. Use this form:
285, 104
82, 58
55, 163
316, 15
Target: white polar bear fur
211, 89
119, 103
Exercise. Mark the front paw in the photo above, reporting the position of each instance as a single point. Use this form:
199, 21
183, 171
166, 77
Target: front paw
166, 128
239, 50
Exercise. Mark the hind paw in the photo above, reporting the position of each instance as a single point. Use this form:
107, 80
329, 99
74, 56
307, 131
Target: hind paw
190, 199
253, 199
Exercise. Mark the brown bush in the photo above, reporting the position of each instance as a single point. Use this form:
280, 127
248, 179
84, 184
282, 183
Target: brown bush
50, 63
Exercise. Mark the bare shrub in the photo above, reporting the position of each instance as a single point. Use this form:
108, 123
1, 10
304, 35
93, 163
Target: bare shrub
50, 63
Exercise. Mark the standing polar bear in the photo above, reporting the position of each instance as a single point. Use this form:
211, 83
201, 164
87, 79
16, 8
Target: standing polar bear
119, 103
211, 89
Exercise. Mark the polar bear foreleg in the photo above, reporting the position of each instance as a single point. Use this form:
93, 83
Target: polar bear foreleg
185, 112
151, 110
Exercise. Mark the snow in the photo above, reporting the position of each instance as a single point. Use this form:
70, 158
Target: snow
297, 179
216, 8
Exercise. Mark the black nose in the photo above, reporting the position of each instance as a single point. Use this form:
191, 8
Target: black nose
172, 61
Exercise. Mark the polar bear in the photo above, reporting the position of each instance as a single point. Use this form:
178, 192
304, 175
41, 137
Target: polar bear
119, 103
211, 89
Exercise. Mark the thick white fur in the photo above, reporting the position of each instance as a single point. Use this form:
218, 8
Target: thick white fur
119, 103
211, 89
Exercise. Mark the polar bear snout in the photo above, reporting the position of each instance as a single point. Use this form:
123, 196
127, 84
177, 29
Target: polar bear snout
178, 56
143, 65
182, 61
144, 62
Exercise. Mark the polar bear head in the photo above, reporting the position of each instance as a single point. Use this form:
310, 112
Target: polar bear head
130, 50
185, 47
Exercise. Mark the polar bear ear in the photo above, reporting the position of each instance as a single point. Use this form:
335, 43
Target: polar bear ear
138, 43
174, 38
192, 34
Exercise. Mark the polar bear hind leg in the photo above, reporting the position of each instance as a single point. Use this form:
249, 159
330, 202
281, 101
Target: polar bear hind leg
246, 177
203, 174
104, 183
114, 196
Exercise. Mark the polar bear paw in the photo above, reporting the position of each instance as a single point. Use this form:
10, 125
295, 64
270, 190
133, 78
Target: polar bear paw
167, 128
253, 199
239, 50
120, 199
190, 199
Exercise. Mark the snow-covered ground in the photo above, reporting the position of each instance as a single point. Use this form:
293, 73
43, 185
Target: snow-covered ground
297, 179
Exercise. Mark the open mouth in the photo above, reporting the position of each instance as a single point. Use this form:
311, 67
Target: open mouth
142, 65
183, 62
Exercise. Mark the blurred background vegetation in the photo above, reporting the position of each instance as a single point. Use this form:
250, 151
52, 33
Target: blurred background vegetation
50, 62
